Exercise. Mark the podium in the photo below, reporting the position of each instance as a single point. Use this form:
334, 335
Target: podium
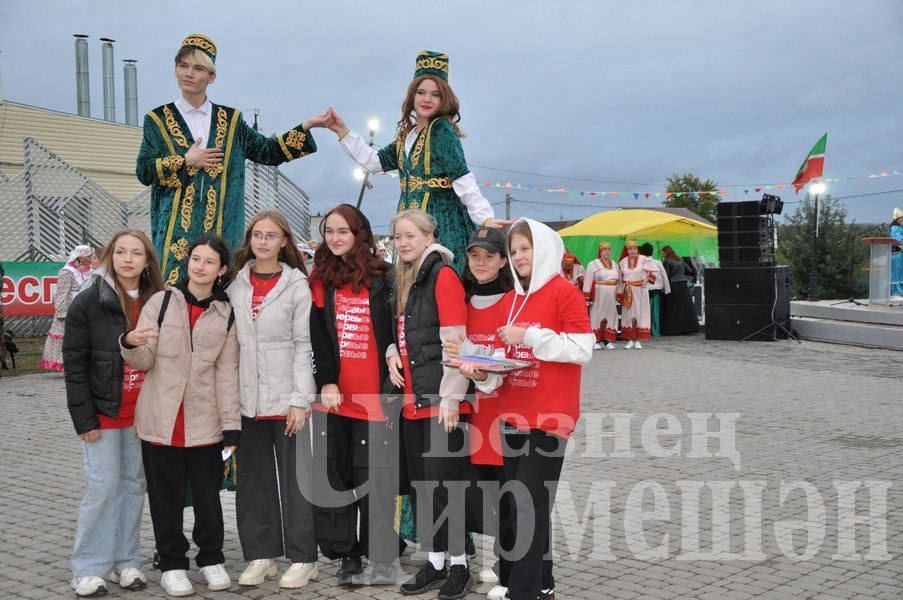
881, 249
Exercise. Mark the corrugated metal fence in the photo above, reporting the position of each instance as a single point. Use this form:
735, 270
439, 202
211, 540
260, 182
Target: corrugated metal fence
49, 207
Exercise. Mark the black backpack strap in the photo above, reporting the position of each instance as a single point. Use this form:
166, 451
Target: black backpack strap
163, 306
231, 319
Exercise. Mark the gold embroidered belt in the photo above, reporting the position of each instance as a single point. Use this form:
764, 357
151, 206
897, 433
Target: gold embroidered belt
412, 183
627, 298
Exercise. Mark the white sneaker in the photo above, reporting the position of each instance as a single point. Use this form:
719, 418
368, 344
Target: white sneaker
629, 345
488, 576
176, 583
216, 576
637, 345
497, 593
609, 346
257, 571
130, 578
90, 585
298, 575
597, 346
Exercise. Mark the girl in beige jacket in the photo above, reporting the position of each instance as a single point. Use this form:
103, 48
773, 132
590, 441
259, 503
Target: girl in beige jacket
188, 411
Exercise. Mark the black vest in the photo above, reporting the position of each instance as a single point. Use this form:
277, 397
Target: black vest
421, 331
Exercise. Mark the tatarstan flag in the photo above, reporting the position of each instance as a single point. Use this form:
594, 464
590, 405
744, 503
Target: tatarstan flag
813, 166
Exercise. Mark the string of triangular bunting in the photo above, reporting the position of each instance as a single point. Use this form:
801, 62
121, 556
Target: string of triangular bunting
745, 190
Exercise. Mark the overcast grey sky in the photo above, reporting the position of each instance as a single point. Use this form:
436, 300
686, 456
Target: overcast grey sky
577, 90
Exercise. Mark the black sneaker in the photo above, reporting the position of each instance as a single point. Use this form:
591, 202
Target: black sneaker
427, 578
543, 595
383, 574
351, 566
469, 547
458, 583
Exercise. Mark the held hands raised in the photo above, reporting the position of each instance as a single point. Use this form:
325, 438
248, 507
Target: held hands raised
324, 119
337, 126
198, 156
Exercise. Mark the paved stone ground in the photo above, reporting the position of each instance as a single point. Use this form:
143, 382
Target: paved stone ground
809, 413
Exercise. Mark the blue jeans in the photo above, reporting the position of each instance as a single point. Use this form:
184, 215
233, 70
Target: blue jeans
110, 515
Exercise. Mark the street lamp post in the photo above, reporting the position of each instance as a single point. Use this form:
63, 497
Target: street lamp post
815, 188
373, 125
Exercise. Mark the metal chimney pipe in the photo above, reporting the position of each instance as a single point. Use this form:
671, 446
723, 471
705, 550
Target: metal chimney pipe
109, 87
130, 76
82, 84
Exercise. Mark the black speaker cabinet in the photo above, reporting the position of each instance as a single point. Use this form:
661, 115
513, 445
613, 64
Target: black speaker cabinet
745, 256
743, 223
737, 209
747, 239
741, 301
747, 285
741, 321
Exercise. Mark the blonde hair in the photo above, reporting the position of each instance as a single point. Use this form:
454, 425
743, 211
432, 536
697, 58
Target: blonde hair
521, 228
406, 273
195, 55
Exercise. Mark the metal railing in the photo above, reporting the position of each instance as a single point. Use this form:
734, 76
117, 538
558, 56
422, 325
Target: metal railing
49, 207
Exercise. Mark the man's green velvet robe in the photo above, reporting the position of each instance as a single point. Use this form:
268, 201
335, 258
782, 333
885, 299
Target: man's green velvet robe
187, 202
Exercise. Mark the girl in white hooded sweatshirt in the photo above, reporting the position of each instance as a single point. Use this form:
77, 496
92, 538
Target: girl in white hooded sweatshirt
545, 322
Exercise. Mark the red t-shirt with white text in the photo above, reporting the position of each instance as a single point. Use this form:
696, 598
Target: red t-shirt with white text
485, 439
358, 354
546, 396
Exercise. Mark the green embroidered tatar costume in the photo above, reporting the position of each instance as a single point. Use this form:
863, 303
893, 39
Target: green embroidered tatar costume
426, 177
187, 202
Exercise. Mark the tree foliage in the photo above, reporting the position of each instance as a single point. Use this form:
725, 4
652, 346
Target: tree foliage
842, 259
703, 204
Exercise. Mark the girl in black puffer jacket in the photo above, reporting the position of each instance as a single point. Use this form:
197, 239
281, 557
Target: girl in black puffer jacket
101, 392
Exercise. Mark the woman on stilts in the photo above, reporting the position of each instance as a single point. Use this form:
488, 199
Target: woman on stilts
429, 158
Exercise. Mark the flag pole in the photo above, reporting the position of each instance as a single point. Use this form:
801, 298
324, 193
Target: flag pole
814, 188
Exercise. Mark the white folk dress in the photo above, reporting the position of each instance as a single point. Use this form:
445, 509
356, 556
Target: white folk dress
636, 273
603, 314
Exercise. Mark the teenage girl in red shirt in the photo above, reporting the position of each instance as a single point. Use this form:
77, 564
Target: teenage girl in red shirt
354, 449
544, 321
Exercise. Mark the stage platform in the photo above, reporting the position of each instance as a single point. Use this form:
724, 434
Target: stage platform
845, 322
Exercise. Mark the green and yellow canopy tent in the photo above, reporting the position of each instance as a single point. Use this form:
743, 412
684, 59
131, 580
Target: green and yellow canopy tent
688, 234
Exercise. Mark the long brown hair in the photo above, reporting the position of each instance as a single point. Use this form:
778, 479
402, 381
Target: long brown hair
150, 282
405, 272
361, 261
288, 254
449, 107
669, 253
